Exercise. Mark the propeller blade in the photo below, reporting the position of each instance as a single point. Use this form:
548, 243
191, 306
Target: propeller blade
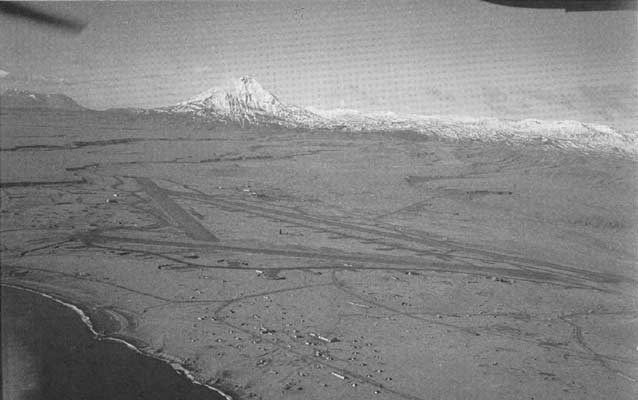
20, 10
571, 5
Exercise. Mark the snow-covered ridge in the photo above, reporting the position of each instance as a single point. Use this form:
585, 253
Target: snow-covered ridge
245, 101
564, 134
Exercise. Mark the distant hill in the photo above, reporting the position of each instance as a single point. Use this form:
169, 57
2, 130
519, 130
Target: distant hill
14, 98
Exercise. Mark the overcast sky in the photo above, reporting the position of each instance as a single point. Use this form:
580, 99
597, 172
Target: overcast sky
438, 56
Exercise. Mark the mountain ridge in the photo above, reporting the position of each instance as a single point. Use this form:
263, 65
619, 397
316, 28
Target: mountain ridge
16, 98
245, 102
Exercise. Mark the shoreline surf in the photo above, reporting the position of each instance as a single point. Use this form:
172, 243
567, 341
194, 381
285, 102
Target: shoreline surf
86, 321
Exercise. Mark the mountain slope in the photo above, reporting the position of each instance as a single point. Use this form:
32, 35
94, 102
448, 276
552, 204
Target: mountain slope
245, 101
562, 134
14, 98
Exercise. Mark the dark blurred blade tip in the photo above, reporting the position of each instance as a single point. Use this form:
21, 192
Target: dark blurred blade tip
571, 5
21, 10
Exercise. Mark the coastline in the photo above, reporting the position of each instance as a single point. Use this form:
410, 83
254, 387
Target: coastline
86, 321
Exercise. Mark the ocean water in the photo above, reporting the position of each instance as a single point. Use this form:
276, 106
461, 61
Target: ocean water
48, 353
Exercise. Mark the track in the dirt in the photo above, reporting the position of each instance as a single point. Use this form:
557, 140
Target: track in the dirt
378, 233
184, 220
422, 252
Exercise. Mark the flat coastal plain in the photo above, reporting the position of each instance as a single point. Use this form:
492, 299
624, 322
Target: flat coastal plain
289, 264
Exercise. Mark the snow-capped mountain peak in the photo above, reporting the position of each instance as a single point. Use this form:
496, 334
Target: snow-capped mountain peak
243, 92
245, 100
